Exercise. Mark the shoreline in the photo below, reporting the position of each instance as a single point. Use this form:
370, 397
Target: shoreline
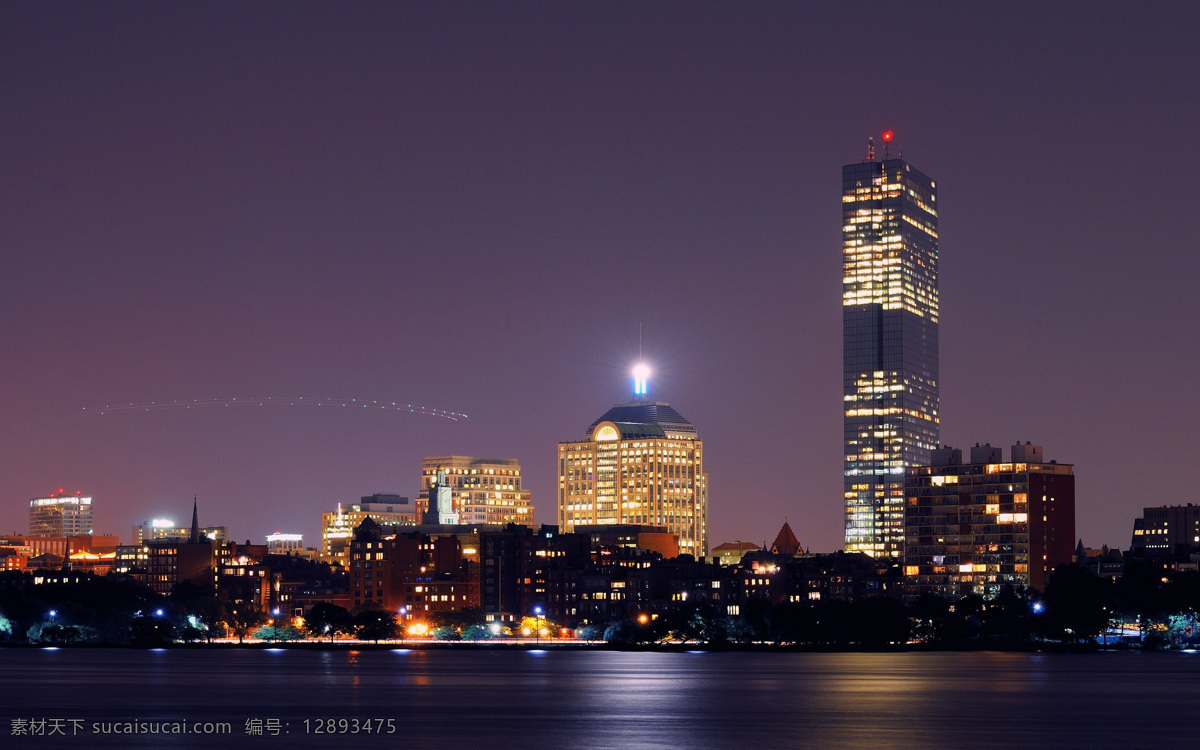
602, 646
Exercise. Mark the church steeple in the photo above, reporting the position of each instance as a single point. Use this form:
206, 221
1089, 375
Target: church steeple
194, 536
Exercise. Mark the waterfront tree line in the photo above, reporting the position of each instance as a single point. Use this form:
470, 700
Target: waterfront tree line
1151, 605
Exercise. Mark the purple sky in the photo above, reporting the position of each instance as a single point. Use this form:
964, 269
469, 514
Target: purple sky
471, 206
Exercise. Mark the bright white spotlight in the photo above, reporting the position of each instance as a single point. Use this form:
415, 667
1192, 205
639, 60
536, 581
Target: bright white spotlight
641, 375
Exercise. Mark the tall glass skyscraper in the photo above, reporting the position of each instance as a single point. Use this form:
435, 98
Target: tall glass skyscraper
890, 343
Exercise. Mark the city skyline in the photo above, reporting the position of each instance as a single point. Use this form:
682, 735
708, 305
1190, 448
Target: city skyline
472, 212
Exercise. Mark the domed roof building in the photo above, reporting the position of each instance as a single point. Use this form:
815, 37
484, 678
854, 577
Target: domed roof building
639, 463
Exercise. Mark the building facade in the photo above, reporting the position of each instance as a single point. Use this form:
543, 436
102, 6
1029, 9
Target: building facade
60, 515
1167, 531
731, 553
161, 529
639, 463
890, 343
285, 544
420, 573
483, 490
974, 528
337, 526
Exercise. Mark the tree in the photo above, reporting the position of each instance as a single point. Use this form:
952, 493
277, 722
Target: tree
624, 632
1183, 592
328, 619
882, 622
277, 633
1183, 631
754, 615
790, 622
62, 635
936, 619
590, 632
202, 613
1076, 604
683, 623
376, 625
833, 622
151, 630
242, 619
477, 633
459, 619
1007, 617
1139, 590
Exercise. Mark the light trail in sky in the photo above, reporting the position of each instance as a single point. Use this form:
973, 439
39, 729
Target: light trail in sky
264, 401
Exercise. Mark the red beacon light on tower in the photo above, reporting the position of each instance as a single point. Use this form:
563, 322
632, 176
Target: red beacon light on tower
887, 137
887, 141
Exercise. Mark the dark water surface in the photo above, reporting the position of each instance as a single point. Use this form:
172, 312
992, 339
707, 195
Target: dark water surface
595, 699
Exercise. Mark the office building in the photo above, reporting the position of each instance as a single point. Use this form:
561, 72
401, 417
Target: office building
974, 528
639, 463
162, 529
285, 544
60, 515
890, 343
1167, 531
337, 526
482, 490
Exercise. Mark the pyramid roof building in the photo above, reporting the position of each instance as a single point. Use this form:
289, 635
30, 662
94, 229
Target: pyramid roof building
785, 542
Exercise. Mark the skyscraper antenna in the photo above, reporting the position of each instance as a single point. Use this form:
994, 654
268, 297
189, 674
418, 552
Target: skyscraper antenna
641, 372
870, 148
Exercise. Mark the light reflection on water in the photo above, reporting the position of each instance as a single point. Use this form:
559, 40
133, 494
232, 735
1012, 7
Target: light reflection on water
551, 698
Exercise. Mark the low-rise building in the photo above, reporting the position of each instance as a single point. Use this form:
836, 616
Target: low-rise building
731, 553
393, 569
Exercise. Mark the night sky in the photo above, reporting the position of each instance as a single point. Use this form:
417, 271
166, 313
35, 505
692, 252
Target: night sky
471, 206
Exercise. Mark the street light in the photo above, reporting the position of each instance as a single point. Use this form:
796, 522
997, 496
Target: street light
275, 623
403, 617
537, 636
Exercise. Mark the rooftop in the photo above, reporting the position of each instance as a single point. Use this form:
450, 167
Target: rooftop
644, 418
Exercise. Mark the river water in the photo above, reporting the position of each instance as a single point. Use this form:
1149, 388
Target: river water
598, 699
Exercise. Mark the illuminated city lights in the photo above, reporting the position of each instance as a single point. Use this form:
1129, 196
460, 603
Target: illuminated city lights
890, 333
